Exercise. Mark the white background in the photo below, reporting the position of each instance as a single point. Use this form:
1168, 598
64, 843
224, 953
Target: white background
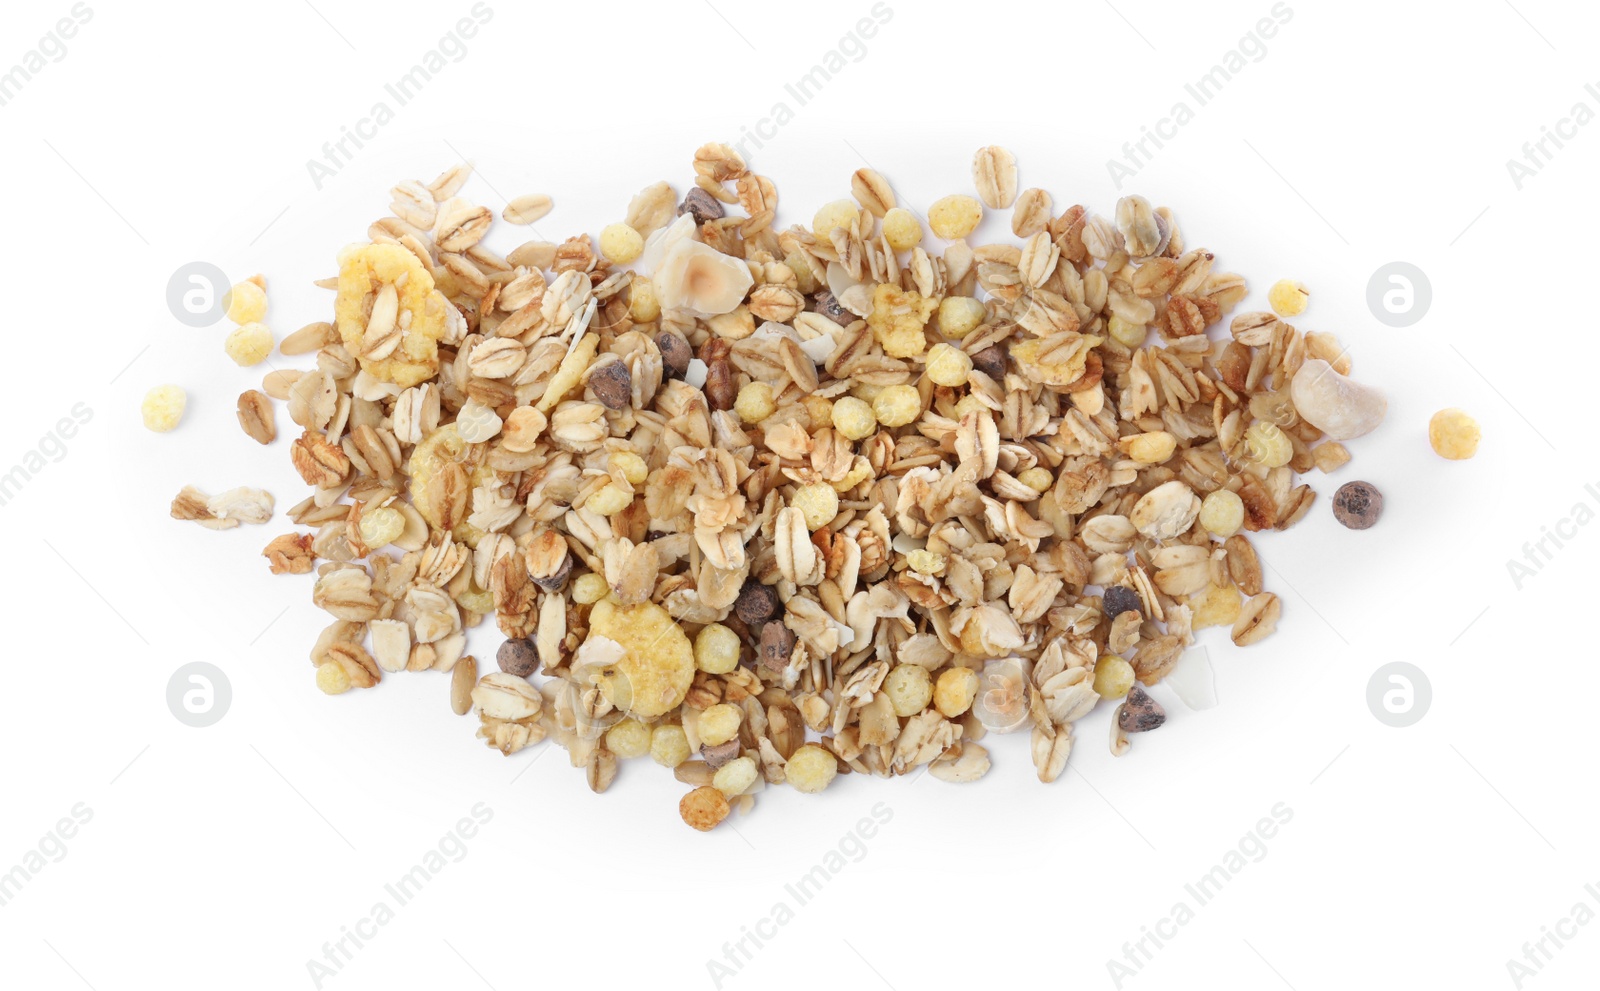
227, 856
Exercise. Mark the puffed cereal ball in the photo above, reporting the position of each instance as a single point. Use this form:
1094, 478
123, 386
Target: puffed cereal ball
669, 745
1268, 444
249, 344
1454, 434
720, 723
703, 808
954, 691
819, 409
955, 216
331, 678
1288, 298
755, 402
949, 365
897, 405
628, 738
902, 229
735, 777
910, 689
247, 303
381, 526
810, 769
163, 407
1113, 677
839, 213
817, 502
960, 315
620, 244
853, 418
589, 589
1037, 478
716, 648
1222, 512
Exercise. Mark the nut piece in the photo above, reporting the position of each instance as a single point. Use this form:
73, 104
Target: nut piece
1340, 407
703, 808
1357, 505
1140, 713
256, 417
290, 554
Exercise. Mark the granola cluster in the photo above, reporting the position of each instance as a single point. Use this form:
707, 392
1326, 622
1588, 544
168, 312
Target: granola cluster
770, 505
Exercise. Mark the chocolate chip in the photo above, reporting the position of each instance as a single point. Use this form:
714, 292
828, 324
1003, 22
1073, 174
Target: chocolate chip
1357, 505
1140, 713
721, 753
675, 353
991, 361
828, 305
703, 205
612, 385
757, 603
1119, 599
777, 644
517, 657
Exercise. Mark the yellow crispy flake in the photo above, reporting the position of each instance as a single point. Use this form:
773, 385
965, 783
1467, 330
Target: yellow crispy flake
1058, 360
898, 318
1215, 606
656, 668
364, 269
444, 444
570, 373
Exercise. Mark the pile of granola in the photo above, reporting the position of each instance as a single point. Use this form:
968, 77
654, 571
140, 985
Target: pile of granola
728, 488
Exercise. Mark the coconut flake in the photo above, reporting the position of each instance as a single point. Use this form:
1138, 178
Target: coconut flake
696, 373
1193, 680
